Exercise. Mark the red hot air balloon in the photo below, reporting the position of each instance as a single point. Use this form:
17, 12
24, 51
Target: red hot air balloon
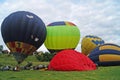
71, 60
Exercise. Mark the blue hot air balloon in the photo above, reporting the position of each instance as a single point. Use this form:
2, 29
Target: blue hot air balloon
23, 32
106, 55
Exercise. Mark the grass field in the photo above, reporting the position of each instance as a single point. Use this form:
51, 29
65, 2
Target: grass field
102, 73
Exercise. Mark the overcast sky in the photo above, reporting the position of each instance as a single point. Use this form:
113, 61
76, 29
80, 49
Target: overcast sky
93, 17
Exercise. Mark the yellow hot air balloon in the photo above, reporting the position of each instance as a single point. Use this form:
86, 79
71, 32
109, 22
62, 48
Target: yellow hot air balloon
89, 43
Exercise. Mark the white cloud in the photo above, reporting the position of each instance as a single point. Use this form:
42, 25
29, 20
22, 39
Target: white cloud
97, 17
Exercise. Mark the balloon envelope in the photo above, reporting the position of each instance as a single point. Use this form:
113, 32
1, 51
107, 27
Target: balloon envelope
23, 32
106, 55
62, 35
89, 43
71, 60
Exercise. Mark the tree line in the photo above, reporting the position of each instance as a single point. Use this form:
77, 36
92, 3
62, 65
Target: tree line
44, 56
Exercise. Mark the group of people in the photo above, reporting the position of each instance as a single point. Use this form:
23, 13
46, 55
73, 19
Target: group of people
28, 66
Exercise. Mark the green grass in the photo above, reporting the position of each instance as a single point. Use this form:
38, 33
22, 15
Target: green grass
102, 73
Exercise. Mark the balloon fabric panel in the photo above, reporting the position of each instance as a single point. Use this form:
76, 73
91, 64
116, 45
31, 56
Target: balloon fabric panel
61, 38
109, 57
60, 23
110, 47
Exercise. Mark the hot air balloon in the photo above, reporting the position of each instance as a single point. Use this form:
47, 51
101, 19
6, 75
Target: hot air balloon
90, 42
23, 32
106, 55
71, 60
62, 35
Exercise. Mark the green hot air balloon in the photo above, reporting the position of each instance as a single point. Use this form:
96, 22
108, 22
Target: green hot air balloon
62, 35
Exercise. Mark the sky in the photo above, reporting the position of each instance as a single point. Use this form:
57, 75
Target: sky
92, 17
